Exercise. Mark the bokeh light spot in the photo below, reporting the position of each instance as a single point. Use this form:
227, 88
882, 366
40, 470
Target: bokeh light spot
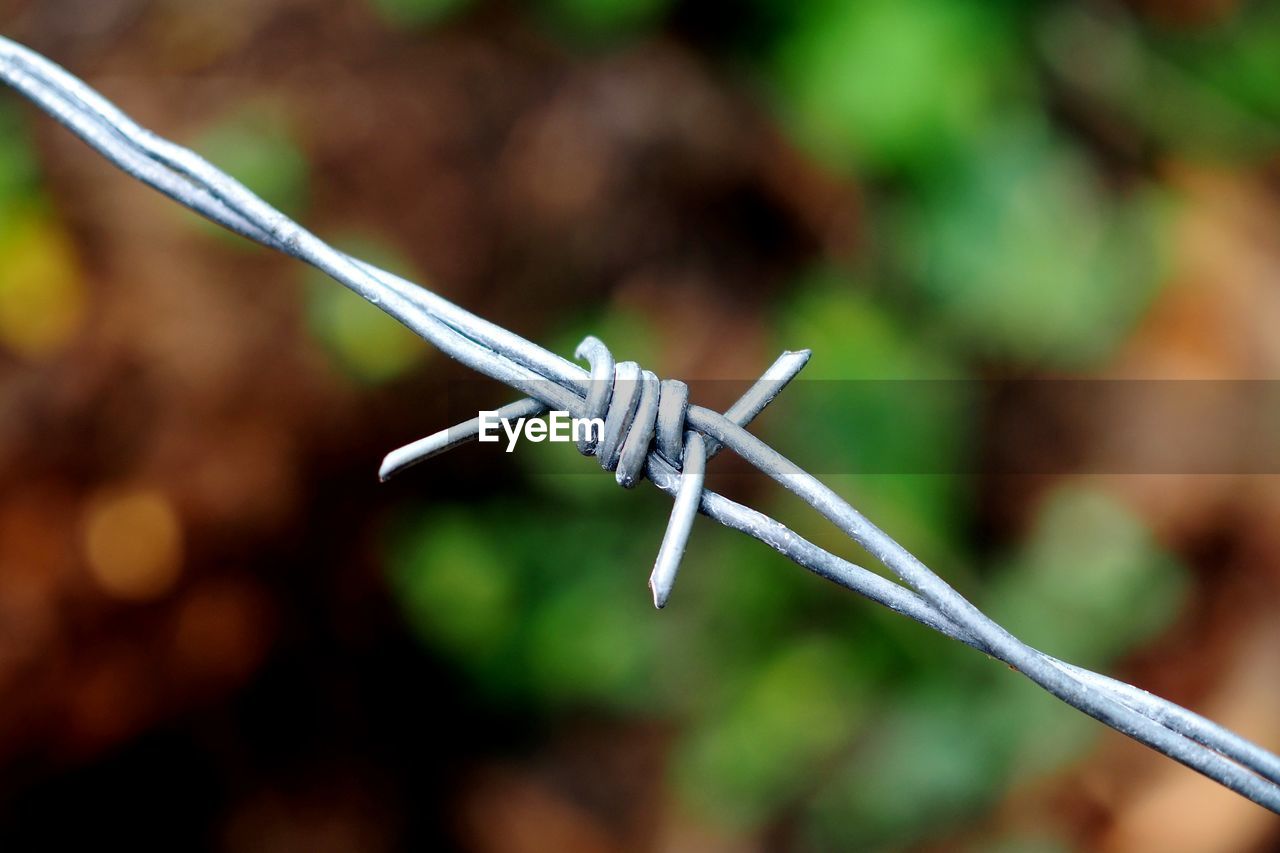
133, 544
41, 291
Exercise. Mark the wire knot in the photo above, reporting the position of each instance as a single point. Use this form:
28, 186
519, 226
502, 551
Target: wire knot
643, 424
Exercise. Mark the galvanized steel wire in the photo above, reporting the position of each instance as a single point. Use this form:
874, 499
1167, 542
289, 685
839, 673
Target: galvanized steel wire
654, 431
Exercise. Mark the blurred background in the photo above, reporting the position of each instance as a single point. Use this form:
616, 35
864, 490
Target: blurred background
219, 632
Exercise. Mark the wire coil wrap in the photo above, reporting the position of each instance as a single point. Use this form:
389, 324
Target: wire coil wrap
635, 407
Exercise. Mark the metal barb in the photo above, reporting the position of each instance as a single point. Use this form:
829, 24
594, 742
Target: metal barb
447, 439
551, 382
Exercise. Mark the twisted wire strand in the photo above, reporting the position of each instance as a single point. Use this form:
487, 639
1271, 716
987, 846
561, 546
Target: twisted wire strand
552, 382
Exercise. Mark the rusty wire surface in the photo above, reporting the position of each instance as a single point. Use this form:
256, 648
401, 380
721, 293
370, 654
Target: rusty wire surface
650, 430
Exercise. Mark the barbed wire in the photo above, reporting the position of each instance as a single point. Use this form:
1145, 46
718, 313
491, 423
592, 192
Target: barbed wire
650, 430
